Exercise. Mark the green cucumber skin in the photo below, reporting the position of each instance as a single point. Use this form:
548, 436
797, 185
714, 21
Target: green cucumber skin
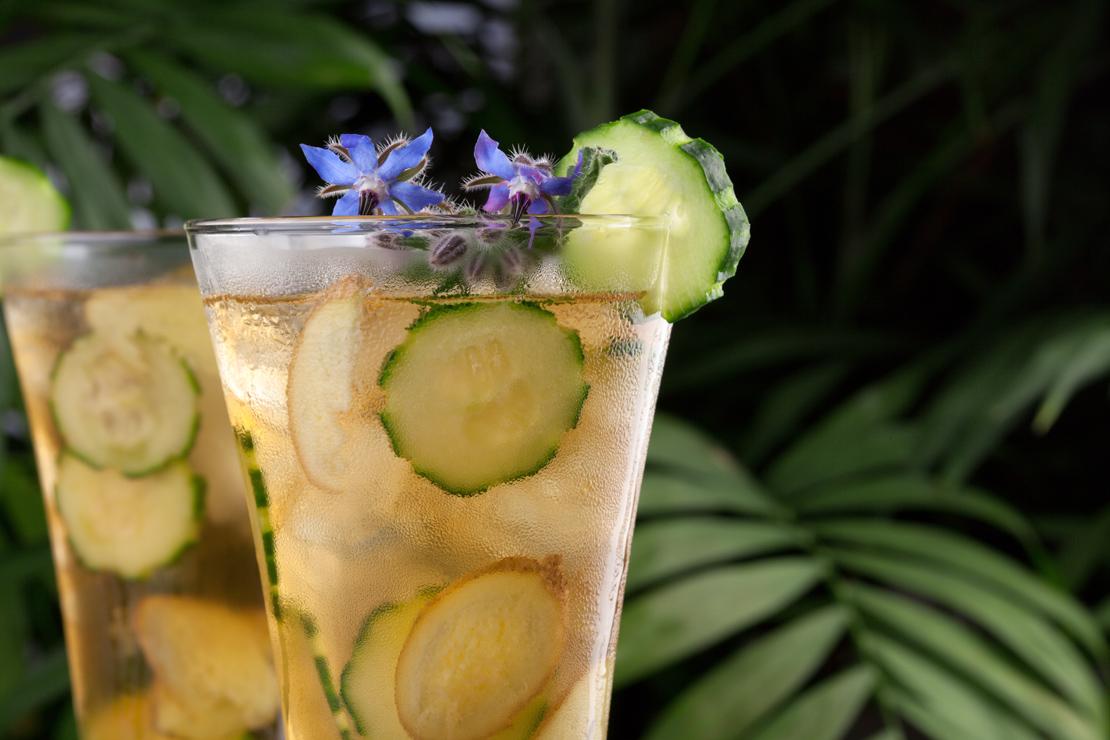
396, 356
713, 166
323, 671
190, 442
262, 505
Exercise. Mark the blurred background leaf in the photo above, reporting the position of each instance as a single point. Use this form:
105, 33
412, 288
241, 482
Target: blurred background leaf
876, 503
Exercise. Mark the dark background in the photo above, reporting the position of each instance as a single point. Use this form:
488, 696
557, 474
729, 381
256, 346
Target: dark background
926, 295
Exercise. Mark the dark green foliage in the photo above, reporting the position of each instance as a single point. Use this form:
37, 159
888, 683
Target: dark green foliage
904, 529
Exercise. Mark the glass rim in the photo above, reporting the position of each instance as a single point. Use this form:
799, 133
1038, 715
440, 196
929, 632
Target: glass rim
91, 238
349, 224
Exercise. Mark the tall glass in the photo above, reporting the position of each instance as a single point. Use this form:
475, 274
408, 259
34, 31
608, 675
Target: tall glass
446, 420
163, 613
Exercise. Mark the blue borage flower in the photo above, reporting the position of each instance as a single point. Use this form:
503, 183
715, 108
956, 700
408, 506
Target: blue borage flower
521, 183
373, 180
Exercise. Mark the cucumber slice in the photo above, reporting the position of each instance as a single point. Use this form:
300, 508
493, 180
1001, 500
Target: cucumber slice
481, 394
28, 202
482, 651
660, 170
212, 666
124, 402
368, 681
129, 526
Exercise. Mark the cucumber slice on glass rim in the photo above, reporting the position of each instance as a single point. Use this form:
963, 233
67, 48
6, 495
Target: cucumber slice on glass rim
660, 170
28, 201
482, 393
128, 526
124, 402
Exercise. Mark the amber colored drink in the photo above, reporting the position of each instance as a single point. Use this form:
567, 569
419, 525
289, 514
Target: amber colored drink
445, 457
163, 613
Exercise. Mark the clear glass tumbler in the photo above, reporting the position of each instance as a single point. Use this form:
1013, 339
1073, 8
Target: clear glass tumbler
445, 421
164, 620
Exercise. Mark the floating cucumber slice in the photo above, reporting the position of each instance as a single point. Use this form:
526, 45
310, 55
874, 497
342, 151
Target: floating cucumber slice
124, 402
660, 170
28, 202
129, 526
368, 681
211, 665
480, 394
482, 651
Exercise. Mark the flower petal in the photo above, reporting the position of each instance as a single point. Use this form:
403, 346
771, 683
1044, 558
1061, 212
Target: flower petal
491, 159
405, 157
361, 149
389, 208
556, 185
330, 166
347, 205
416, 197
539, 206
498, 197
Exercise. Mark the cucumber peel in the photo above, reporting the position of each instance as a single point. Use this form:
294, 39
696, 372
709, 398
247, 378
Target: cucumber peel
661, 171
28, 202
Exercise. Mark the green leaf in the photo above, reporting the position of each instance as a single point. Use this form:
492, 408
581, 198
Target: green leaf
786, 406
242, 147
18, 143
291, 49
674, 494
675, 621
891, 733
663, 548
945, 695
22, 500
824, 712
889, 494
676, 443
832, 452
1058, 74
45, 681
861, 435
98, 199
13, 634
1026, 633
25, 63
735, 694
183, 181
1088, 362
983, 563
960, 647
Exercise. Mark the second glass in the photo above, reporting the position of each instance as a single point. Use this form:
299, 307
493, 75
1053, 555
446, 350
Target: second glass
164, 626
445, 420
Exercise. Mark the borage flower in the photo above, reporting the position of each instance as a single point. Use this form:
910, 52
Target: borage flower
374, 180
522, 183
